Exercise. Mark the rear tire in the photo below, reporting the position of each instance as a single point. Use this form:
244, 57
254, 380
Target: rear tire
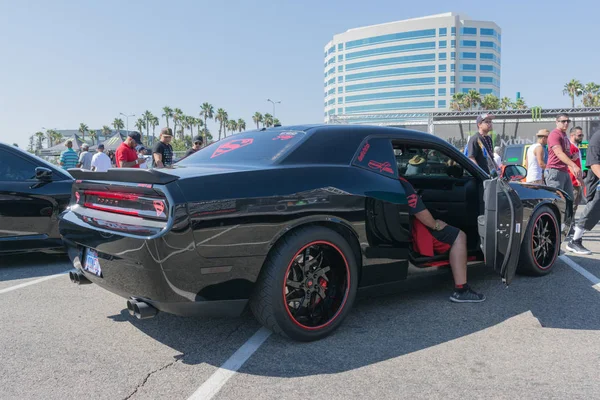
308, 284
541, 244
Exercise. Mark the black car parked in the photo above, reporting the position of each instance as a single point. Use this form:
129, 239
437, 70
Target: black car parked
33, 193
294, 221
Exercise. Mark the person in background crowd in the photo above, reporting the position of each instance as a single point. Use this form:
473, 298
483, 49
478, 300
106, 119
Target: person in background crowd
111, 155
100, 161
591, 212
559, 162
576, 137
197, 146
126, 156
534, 159
480, 141
162, 153
85, 158
68, 158
497, 158
143, 153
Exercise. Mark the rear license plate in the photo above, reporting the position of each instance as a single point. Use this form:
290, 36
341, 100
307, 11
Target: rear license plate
91, 262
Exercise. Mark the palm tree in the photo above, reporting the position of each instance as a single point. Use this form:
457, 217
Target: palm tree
167, 113
154, 122
241, 125
199, 124
118, 124
56, 136
140, 125
490, 102
472, 99
147, 115
93, 136
222, 117
177, 117
232, 125
50, 137
31, 141
276, 122
106, 131
40, 140
267, 120
207, 111
190, 122
590, 90
257, 118
83, 128
573, 89
456, 105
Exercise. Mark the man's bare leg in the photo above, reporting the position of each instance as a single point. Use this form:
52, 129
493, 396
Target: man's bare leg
458, 259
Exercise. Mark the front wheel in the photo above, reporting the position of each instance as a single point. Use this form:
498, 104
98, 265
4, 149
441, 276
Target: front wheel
307, 285
541, 243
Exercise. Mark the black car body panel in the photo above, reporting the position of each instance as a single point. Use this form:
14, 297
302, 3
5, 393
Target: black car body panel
225, 217
33, 193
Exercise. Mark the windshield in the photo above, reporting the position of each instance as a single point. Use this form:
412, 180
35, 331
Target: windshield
256, 147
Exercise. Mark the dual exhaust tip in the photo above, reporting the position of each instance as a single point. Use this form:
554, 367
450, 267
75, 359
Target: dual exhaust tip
140, 309
136, 308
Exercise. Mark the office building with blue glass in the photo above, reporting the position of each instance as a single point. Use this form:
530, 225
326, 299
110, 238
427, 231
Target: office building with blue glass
414, 65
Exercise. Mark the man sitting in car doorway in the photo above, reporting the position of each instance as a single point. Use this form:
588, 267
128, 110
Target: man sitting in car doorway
445, 237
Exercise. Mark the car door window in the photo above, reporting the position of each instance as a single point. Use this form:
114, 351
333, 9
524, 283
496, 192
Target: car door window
418, 161
377, 155
14, 168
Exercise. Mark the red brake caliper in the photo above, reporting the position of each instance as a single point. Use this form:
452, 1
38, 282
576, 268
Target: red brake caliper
323, 284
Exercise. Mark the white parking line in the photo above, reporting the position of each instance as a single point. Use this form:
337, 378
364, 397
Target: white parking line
588, 275
216, 381
22, 285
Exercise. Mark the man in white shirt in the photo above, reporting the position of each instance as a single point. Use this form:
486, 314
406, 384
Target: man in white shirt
535, 159
100, 161
497, 158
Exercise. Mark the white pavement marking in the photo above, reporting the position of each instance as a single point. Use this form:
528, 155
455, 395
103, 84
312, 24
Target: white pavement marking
22, 285
229, 368
588, 275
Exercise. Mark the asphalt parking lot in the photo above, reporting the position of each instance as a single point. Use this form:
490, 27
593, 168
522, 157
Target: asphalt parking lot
538, 338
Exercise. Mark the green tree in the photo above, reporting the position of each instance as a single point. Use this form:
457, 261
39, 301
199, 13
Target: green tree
177, 117
207, 111
221, 116
276, 122
154, 122
267, 120
573, 89
106, 131
83, 128
93, 135
147, 115
490, 102
118, 124
590, 91
232, 125
167, 113
40, 140
257, 118
31, 142
241, 125
472, 99
140, 125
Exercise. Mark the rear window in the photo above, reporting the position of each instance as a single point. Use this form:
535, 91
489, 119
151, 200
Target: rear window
249, 148
513, 155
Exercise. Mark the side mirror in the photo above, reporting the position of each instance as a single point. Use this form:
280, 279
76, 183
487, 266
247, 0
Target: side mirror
514, 172
43, 174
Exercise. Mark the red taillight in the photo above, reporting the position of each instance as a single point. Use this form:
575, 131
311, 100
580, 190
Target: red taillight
137, 205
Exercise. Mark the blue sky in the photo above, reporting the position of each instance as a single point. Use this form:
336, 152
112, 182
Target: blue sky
66, 62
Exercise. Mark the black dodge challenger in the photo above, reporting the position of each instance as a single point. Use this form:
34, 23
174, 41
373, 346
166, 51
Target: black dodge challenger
293, 221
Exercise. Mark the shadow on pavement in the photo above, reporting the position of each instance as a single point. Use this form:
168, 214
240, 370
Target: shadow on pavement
417, 317
35, 265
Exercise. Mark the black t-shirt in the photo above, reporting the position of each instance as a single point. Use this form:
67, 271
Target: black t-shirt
593, 151
166, 150
190, 152
415, 204
475, 151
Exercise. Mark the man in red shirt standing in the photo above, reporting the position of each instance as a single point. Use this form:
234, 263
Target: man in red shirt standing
576, 136
126, 156
559, 158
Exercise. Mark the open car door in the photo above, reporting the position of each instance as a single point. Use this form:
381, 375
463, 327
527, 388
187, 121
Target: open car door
500, 227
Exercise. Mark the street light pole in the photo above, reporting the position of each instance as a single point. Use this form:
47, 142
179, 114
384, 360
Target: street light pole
127, 118
278, 102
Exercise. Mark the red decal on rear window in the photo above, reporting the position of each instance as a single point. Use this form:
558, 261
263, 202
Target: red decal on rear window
285, 136
230, 146
363, 152
382, 167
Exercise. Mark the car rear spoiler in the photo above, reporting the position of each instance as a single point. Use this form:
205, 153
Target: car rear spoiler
133, 175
